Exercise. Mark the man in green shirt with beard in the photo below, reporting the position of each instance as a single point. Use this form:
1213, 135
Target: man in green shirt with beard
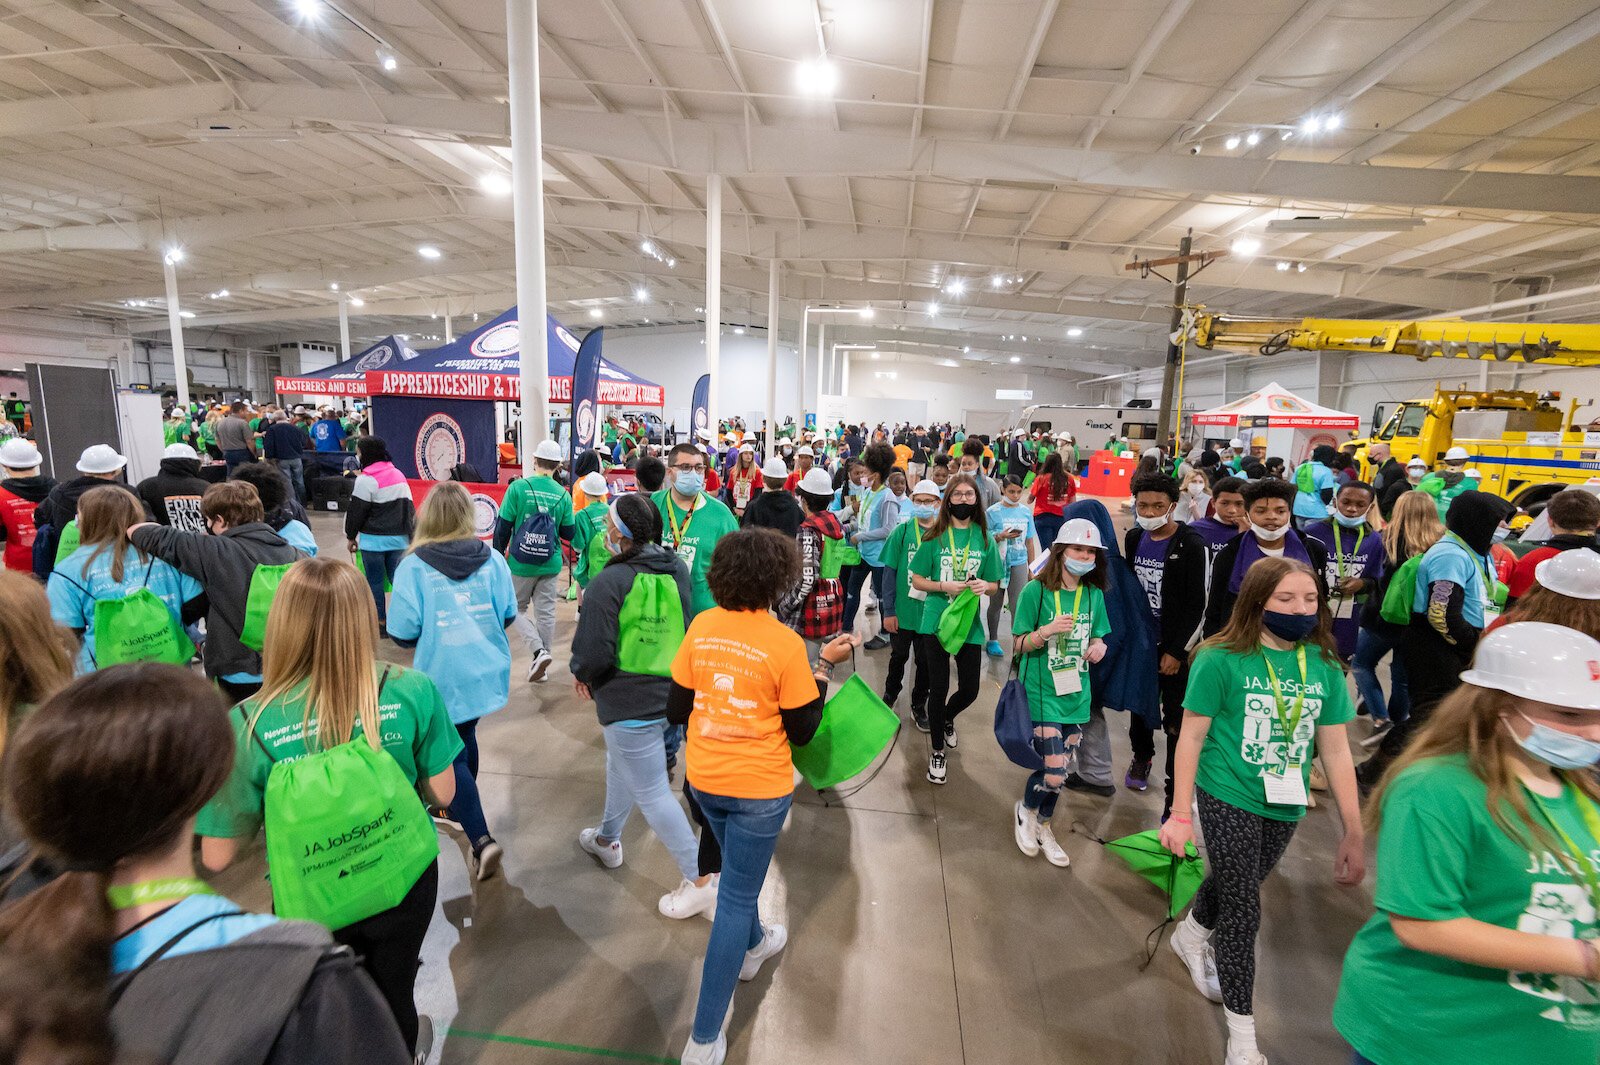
691, 521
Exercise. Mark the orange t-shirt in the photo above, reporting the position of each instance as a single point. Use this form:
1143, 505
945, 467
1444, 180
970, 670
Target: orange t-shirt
743, 666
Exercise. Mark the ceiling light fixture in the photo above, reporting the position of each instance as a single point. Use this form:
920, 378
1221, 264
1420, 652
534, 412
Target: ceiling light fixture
1300, 268
311, 9
738, 330
495, 183
1075, 331
173, 256
1310, 124
933, 310
1252, 138
357, 301
996, 281
1246, 246
816, 77
868, 313
956, 286
387, 60
1333, 121
333, 286
1286, 134
1016, 358
874, 354
641, 295
1344, 225
428, 251
648, 248
185, 314
1231, 143
596, 313
966, 349
1283, 266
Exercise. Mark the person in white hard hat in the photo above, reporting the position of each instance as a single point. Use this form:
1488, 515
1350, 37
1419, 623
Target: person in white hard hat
744, 480
902, 606
804, 459
535, 516
1574, 515
1449, 482
1058, 631
1482, 946
589, 528
21, 492
773, 508
1266, 695
173, 494
1415, 470
99, 464
956, 556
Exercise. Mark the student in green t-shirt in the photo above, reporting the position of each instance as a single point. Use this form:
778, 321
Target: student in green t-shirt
589, 531
1058, 631
956, 555
536, 581
1482, 948
322, 688
1266, 695
692, 522
902, 605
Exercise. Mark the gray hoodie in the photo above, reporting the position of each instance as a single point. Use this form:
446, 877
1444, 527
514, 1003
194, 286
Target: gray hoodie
620, 696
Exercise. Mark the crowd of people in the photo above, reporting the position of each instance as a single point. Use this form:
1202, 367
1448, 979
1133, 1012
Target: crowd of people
1233, 618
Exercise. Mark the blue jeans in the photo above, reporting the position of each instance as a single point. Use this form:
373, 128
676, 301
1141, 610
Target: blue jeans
1356, 1058
854, 578
1371, 646
380, 566
295, 470
467, 807
636, 774
1047, 525
236, 457
747, 830
1057, 744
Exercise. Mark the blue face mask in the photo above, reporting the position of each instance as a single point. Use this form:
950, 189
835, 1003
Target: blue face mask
690, 484
1555, 748
923, 511
1350, 523
1501, 533
1290, 627
1079, 567
857, 490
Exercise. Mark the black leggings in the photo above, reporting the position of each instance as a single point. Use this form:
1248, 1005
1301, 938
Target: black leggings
904, 645
389, 945
1242, 848
1433, 668
710, 858
942, 706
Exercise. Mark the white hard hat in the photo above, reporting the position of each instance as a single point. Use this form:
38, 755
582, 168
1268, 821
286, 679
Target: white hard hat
1081, 531
1063, 436
1019, 431
180, 451
817, 482
805, 449
703, 449
775, 467
926, 487
1472, 471
548, 450
1150, 453
1236, 442
747, 449
1571, 573
1536, 660
593, 484
100, 458
19, 454
1416, 463
1456, 454
704, 434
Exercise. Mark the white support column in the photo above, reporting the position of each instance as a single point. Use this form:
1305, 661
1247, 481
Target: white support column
449, 330
713, 295
772, 358
800, 368
527, 206
344, 329
823, 369
180, 366
844, 374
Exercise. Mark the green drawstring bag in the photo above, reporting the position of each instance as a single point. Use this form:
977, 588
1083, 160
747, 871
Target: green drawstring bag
1401, 593
837, 554
347, 837
957, 620
650, 625
355, 560
856, 727
68, 542
138, 628
263, 588
595, 556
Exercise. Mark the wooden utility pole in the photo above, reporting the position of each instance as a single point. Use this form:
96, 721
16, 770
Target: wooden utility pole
1169, 374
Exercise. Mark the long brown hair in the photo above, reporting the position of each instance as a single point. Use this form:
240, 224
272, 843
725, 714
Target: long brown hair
322, 631
1052, 576
1545, 604
35, 653
942, 520
1414, 526
112, 767
1467, 722
1242, 634
104, 517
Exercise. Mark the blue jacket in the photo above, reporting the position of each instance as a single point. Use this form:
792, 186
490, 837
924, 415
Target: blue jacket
1125, 679
77, 584
452, 602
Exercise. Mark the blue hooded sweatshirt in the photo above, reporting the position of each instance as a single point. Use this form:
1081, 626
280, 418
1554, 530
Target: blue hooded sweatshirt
77, 584
1123, 679
452, 602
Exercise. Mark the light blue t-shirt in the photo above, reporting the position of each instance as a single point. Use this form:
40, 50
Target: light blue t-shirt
77, 584
460, 629
1004, 518
1310, 504
128, 952
374, 542
298, 535
1451, 560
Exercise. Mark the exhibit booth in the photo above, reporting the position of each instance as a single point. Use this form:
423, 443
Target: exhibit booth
1287, 425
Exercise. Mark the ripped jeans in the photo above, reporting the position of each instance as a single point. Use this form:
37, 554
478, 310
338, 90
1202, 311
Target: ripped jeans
1057, 744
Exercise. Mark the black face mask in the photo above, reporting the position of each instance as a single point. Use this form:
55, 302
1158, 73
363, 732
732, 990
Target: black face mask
963, 511
1290, 627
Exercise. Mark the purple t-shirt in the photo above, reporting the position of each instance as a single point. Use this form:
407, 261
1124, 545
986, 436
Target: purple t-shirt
1351, 553
1214, 533
1149, 565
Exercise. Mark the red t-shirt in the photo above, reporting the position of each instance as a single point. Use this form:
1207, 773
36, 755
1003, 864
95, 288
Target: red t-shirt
1044, 503
1521, 582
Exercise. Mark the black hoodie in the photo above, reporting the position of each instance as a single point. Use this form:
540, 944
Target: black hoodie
620, 696
173, 495
1474, 516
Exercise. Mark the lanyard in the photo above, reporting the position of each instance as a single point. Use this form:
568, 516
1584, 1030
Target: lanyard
1077, 600
1288, 721
1489, 580
965, 551
678, 533
127, 896
1338, 548
1582, 867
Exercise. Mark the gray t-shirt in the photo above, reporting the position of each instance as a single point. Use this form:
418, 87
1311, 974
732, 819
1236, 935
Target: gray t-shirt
233, 434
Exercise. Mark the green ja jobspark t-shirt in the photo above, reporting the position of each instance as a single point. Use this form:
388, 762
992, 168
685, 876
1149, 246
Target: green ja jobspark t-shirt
1038, 607
1235, 692
1441, 857
898, 552
693, 535
589, 522
958, 555
416, 731
526, 496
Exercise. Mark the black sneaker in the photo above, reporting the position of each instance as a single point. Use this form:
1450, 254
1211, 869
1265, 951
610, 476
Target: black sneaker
919, 718
1077, 783
877, 643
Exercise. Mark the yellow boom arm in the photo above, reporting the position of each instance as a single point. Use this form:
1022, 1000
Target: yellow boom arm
1555, 345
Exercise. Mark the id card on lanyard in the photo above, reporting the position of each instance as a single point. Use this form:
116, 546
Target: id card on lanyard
1066, 667
1343, 606
1285, 784
958, 570
683, 550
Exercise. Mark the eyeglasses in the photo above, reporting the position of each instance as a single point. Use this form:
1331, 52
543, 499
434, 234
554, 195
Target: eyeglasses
699, 467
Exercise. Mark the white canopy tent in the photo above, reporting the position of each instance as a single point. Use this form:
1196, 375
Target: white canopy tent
1282, 422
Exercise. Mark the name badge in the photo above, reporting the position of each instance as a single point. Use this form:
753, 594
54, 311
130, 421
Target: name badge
1343, 607
1068, 681
1287, 788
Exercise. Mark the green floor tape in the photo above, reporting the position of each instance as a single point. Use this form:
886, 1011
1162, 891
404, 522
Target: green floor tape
571, 1048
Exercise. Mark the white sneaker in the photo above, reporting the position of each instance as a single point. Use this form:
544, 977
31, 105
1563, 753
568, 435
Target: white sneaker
539, 666
687, 900
486, 862
1190, 943
1052, 850
772, 942
705, 1053
610, 854
950, 739
1235, 1056
936, 767
1380, 729
1025, 829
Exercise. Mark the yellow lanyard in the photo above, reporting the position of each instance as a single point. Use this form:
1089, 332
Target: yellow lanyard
679, 533
1288, 721
1338, 548
1581, 866
1077, 601
966, 552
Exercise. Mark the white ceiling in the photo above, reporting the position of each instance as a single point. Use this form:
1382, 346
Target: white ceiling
1041, 141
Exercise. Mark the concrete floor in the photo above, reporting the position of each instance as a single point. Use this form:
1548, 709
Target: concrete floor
917, 931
